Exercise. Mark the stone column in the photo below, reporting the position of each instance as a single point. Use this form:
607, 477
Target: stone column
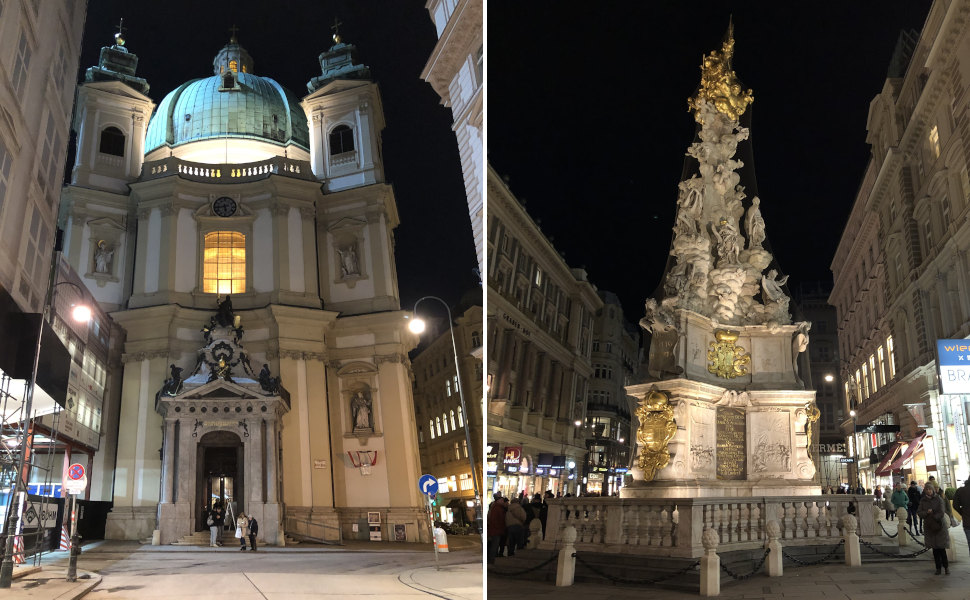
168, 462
255, 468
272, 493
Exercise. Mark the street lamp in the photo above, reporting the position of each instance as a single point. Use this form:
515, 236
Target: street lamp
855, 449
417, 326
19, 487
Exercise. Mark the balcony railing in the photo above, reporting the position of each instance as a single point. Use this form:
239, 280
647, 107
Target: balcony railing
227, 173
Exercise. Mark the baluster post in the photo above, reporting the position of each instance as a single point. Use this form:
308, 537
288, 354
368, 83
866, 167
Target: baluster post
710, 564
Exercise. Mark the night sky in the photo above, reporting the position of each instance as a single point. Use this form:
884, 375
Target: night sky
176, 41
587, 116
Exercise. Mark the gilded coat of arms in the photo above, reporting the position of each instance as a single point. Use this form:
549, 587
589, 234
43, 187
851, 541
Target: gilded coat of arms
727, 359
657, 428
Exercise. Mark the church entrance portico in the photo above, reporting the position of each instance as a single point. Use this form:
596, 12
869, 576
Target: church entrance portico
218, 478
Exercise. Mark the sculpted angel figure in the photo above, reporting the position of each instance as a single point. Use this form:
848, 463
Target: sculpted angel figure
728, 240
689, 211
771, 287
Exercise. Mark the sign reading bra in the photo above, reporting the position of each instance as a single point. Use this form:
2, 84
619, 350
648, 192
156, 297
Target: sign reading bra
731, 430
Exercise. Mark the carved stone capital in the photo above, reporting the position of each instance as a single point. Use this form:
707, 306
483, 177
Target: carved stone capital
300, 355
308, 212
143, 213
388, 358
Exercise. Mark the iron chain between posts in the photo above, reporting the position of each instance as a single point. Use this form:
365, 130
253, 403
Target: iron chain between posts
891, 535
757, 568
805, 563
915, 537
614, 579
877, 550
524, 571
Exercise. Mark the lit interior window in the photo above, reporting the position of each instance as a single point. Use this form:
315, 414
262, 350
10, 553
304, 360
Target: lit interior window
224, 271
233, 66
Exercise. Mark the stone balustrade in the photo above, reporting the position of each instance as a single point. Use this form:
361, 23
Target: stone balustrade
228, 173
673, 526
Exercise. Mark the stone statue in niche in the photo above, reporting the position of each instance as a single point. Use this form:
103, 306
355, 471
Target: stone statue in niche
102, 258
348, 260
173, 384
360, 409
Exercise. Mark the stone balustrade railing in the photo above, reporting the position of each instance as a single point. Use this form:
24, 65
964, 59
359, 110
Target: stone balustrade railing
673, 526
228, 173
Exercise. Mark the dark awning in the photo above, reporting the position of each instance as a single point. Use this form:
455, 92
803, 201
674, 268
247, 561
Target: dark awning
883, 469
914, 445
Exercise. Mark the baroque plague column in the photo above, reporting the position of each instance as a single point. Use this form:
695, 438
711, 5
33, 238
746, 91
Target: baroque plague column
724, 412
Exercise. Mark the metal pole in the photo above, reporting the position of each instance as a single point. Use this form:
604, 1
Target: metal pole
464, 412
434, 541
72, 564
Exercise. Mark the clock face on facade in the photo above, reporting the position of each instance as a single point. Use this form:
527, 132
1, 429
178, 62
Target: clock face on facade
224, 206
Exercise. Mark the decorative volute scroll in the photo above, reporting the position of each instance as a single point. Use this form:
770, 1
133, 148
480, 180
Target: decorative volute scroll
657, 428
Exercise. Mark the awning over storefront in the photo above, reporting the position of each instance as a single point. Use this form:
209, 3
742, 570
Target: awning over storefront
883, 469
914, 445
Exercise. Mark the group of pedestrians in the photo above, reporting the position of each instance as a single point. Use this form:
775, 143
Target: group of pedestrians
509, 522
246, 527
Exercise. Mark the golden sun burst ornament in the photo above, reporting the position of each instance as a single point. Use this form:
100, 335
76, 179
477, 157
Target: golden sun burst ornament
719, 84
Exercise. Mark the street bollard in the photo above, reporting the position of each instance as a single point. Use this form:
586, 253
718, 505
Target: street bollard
901, 532
566, 569
710, 564
853, 555
775, 558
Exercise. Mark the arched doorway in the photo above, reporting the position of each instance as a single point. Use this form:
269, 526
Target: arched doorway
219, 475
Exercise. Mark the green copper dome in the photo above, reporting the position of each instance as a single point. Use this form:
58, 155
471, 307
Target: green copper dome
231, 104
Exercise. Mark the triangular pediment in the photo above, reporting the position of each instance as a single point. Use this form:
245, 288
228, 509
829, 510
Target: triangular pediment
347, 223
106, 222
336, 86
117, 88
221, 389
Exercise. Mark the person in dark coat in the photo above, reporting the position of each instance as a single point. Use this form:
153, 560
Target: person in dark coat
961, 504
544, 512
536, 507
215, 520
496, 527
936, 525
253, 530
914, 499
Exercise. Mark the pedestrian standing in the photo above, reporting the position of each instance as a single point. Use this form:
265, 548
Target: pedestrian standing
961, 504
936, 526
515, 527
496, 527
915, 496
253, 530
242, 530
537, 507
544, 512
215, 521
899, 499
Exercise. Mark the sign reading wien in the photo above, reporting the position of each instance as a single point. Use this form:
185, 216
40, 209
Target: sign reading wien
953, 356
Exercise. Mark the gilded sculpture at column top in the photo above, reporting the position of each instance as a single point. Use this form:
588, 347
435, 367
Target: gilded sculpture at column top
719, 83
727, 359
657, 428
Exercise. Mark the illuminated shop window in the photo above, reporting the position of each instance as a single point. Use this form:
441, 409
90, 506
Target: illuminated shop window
224, 271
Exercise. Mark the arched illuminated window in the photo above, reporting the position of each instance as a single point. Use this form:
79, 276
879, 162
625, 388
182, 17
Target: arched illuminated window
224, 270
431, 427
112, 142
461, 419
233, 66
341, 140
452, 414
444, 417
437, 422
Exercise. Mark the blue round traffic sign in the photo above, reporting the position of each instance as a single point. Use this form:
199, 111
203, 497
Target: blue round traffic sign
428, 484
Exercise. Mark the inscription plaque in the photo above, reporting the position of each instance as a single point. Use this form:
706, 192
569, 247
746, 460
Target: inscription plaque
731, 433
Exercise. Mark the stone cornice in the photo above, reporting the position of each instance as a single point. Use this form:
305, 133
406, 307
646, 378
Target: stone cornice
457, 42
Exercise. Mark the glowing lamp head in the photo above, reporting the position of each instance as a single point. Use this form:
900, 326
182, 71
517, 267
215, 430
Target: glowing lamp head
416, 325
829, 378
81, 313
577, 422
852, 413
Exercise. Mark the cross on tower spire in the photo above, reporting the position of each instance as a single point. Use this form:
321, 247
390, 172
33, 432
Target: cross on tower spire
336, 30
119, 37
233, 30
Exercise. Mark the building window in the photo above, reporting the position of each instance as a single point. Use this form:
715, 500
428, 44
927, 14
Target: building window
945, 208
928, 234
476, 339
431, 428
872, 372
882, 365
234, 66
437, 424
112, 142
452, 415
21, 65
461, 419
448, 387
934, 138
457, 451
538, 279
224, 270
464, 448
444, 417
5, 162
891, 357
341, 140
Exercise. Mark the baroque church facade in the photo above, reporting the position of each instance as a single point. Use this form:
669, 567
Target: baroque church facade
243, 238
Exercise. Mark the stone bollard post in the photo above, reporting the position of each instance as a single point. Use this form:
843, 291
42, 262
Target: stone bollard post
535, 534
901, 534
710, 564
775, 558
566, 570
853, 556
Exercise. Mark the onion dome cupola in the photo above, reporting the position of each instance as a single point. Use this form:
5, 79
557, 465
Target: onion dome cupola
232, 103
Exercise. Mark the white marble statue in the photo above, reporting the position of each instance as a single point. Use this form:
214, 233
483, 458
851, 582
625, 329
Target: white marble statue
360, 406
348, 260
728, 241
102, 258
771, 287
755, 225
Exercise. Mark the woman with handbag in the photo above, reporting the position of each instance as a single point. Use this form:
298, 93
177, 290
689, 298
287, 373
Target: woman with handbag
242, 530
936, 525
